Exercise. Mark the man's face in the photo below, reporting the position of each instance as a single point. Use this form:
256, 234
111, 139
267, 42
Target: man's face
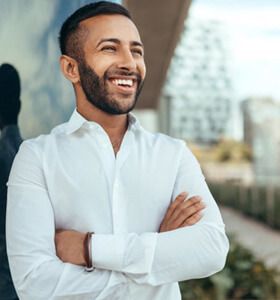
113, 68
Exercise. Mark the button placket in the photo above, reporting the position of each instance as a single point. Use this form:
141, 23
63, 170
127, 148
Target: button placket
104, 142
119, 198
118, 205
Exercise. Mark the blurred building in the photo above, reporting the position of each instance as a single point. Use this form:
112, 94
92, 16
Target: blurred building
262, 132
196, 99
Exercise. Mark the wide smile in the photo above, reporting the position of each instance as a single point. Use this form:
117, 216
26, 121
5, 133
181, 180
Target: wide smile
124, 85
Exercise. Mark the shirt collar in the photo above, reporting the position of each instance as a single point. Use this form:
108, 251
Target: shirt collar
133, 123
77, 121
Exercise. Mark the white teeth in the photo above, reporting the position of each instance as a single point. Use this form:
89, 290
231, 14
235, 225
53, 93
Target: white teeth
123, 82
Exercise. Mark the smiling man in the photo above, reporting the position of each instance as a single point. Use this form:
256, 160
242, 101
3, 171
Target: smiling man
100, 208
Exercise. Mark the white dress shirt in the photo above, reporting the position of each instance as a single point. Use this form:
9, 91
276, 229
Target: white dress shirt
71, 179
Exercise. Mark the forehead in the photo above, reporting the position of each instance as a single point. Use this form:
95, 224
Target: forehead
111, 26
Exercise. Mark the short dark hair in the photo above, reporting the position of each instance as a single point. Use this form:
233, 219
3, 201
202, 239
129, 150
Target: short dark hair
72, 36
9, 94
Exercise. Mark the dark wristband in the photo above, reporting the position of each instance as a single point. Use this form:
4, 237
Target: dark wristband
87, 252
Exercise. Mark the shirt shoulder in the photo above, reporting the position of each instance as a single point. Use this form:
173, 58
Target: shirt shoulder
162, 139
59, 129
42, 141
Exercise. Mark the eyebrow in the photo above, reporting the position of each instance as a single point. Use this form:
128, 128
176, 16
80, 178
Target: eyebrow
117, 41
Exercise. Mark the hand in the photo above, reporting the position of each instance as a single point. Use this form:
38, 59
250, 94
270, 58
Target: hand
182, 213
70, 246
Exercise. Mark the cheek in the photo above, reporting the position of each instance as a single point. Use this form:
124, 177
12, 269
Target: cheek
142, 70
100, 72
101, 65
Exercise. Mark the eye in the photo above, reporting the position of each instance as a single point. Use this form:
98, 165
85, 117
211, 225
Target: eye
137, 51
108, 48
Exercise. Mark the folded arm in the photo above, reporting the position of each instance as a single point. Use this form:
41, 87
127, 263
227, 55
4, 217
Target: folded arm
179, 252
71, 246
152, 258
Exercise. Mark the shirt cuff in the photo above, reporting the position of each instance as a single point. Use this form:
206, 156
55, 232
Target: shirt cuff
108, 251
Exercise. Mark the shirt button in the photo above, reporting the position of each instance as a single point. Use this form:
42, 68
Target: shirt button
91, 126
105, 146
117, 186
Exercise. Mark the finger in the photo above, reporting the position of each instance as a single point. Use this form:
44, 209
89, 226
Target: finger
178, 200
193, 219
191, 201
188, 212
185, 205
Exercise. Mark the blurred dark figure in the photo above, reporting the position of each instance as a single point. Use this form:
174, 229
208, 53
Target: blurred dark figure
10, 141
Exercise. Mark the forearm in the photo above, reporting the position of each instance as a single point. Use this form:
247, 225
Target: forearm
190, 252
158, 258
186, 253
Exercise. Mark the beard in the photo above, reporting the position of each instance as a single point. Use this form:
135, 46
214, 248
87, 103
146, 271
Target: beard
97, 92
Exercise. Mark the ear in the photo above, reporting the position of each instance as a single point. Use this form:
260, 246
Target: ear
69, 68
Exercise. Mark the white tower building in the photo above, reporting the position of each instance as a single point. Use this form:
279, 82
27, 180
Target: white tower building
196, 99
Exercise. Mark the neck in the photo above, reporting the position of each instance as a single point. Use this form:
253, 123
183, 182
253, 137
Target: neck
114, 125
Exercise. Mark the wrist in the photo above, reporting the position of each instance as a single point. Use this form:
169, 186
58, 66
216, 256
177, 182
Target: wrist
88, 251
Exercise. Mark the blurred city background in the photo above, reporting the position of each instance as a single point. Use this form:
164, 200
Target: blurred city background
214, 81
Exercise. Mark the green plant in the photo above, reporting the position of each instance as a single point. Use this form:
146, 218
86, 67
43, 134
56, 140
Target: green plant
244, 277
231, 150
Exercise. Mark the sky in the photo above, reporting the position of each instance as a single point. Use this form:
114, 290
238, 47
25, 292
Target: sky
254, 42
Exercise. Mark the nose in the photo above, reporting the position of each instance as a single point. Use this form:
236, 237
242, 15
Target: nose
126, 60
